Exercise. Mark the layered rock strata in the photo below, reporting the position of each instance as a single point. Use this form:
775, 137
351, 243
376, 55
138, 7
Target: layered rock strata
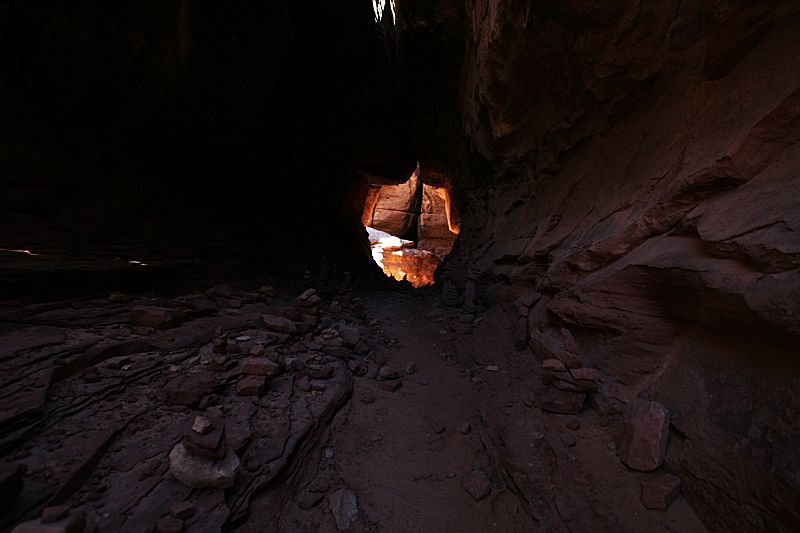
629, 171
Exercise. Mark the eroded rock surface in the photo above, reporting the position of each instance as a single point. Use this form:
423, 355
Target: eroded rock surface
636, 166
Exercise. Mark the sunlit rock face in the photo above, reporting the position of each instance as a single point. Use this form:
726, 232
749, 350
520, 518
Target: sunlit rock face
416, 211
397, 207
629, 171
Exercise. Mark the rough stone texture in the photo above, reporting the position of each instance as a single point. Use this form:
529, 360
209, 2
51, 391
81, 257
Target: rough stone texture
156, 317
279, 324
74, 522
563, 402
658, 493
644, 433
201, 472
344, 506
260, 366
251, 386
477, 484
397, 207
636, 164
189, 390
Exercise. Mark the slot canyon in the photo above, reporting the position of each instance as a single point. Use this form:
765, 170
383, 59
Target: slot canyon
405, 266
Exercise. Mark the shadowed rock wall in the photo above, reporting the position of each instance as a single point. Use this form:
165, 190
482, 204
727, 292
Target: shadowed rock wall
190, 124
632, 168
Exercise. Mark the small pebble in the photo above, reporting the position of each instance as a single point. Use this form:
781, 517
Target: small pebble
466, 428
439, 428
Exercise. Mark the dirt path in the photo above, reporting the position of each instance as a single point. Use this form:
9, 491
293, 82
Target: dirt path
96, 405
408, 478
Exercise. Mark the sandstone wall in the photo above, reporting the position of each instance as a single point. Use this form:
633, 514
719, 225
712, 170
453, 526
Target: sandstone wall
633, 169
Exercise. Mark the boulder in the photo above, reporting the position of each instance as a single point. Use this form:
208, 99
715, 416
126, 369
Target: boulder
260, 366
251, 386
189, 390
644, 432
344, 507
658, 493
477, 484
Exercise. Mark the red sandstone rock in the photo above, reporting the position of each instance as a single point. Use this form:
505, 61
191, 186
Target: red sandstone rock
251, 386
310, 499
279, 324
257, 350
585, 373
188, 390
477, 484
392, 386
387, 372
553, 365
156, 317
182, 510
54, 514
169, 525
260, 366
569, 359
644, 431
202, 425
563, 402
324, 372
658, 493
210, 444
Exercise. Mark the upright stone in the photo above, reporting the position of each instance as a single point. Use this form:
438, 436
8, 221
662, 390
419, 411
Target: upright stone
645, 429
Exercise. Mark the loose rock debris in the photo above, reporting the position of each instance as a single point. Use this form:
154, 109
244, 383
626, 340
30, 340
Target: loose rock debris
206, 421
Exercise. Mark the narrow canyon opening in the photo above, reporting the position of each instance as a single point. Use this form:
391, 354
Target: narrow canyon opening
408, 265
411, 229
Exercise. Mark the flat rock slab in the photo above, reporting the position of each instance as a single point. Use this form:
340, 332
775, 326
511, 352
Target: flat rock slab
28, 338
279, 324
201, 472
645, 429
156, 317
